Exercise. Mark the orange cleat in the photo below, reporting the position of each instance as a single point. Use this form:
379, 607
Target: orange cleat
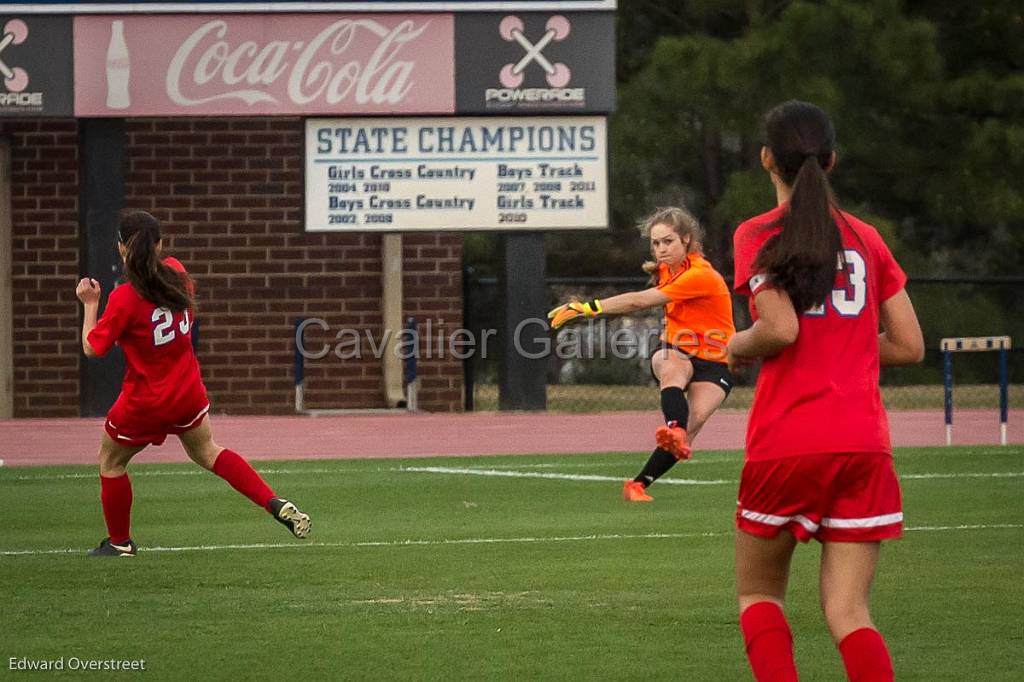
634, 491
673, 439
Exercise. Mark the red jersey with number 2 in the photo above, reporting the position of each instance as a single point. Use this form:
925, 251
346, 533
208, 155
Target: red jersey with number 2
161, 371
821, 394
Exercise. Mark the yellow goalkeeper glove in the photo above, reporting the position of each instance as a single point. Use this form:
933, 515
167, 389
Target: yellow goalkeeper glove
570, 311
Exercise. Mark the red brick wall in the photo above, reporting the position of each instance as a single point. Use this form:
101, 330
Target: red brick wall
229, 195
44, 206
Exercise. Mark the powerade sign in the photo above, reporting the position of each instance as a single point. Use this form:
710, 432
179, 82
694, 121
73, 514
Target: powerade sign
535, 62
35, 66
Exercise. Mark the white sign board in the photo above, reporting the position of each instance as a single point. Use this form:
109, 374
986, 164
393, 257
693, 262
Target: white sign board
401, 174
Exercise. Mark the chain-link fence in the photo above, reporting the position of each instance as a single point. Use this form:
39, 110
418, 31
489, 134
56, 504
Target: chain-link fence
604, 364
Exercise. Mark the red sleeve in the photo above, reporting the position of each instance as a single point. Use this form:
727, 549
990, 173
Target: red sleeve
890, 278
745, 245
111, 324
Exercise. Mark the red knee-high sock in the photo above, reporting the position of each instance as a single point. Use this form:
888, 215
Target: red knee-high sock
866, 657
116, 496
233, 468
769, 642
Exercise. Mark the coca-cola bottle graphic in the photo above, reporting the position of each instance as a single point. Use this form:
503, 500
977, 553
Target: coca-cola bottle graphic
118, 68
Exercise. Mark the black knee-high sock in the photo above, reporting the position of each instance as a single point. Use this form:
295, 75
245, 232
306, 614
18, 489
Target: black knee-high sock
659, 462
674, 406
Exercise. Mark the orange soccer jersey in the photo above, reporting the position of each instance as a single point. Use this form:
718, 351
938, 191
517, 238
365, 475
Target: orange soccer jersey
698, 319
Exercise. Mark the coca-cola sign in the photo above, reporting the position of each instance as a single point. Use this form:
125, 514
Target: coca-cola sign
264, 64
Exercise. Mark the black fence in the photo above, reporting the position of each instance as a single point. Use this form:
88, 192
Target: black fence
604, 364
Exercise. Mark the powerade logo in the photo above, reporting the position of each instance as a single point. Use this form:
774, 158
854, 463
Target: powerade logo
15, 78
512, 74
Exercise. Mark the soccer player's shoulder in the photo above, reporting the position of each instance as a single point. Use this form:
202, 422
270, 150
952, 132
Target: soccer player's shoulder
123, 292
752, 228
699, 262
174, 264
867, 232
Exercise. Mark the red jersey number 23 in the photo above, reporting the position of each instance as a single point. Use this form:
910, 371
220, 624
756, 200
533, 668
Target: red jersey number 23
163, 325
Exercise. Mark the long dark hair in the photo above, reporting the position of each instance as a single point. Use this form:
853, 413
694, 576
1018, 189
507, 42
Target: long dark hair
802, 258
154, 281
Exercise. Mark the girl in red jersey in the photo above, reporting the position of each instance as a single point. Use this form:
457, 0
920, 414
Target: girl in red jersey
689, 363
150, 317
818, 453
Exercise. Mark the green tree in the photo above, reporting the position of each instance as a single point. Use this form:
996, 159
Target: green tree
688, 125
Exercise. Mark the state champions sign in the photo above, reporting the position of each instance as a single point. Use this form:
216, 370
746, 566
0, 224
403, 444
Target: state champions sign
450, 173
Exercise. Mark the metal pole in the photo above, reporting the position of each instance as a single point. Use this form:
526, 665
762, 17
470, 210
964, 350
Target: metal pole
524, 298
1003, 394
300, 365
947, 378
410, 374
6, 286
468, 373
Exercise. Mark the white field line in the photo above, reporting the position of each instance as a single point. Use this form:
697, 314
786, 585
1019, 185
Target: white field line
143, 471
471, 541
552, 475
468, 471
636, 461
1003, 474
508, 470
184, 472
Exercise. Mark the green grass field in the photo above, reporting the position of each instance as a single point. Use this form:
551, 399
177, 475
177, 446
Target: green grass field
452, 574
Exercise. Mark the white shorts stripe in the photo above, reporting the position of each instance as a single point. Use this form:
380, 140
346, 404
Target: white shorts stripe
867, 522
772, 520
194, 419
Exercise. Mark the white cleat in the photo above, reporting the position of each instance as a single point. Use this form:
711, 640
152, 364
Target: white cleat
290, 515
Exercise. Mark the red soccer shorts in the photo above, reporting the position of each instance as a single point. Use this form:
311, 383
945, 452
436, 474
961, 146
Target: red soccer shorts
828, 497
129, 427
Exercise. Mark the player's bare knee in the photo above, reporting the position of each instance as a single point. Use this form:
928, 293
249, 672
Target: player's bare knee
845, 614
674, 377
209, 454
110, 463
206, 456
747, 600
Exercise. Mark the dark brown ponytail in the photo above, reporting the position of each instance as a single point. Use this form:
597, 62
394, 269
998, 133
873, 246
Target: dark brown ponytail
802, 258
154, 281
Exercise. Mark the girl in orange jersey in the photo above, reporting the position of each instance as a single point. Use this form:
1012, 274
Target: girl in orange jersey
689, 362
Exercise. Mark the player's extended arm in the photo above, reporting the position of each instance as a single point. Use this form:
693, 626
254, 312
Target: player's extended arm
615, 305
776, 328
901, 342
88, 292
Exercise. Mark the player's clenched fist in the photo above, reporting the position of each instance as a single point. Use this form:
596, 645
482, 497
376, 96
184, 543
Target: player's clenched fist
570, 311
88, 291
